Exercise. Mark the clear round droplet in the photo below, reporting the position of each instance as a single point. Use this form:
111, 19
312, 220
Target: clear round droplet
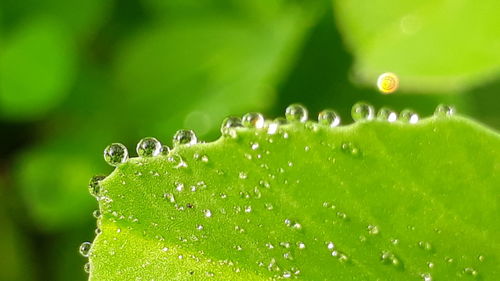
253, 120
329, 118
387, 114
362, 111
148, 147
94, 187
296, 112
96, 214
409, 116
86, 267
229, 125
444, 110
115, 154
165, 150
85, 249
184, 137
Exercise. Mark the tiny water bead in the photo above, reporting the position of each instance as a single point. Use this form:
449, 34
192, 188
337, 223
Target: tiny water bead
424, 245
115, 154
94, 187
184, 137
387, 114
329, 118
387, 257
296, 112
165, 150
409, 116
350, 148
387, 83
148, 147
253, 120
85, 249
362, 111
444, 110
229, 125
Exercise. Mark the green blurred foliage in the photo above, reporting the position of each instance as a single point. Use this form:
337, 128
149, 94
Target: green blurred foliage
445, 45
75, 76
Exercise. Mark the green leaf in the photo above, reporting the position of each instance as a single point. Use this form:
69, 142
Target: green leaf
38, 65
397, 202
431, 45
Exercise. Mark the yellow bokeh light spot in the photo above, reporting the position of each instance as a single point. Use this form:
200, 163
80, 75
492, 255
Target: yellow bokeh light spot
387, 83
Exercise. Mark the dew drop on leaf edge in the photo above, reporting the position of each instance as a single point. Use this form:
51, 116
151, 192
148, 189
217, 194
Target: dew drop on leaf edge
85, 249
253, 120
229, 124
409, 116
329, 118
148, 147
184, 137
387, 114
115, 154
94, 187
296, 112
362, 111
444, 110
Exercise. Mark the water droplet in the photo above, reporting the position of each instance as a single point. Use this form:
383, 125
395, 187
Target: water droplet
341, 256
296, 112
229, 125
424, 245
350, 148
426, 276
165, 150
409, 116
301, 245
177, 160
391, 259
362, 111
373, 229
243, 175
311, 126
268, 206
253, 120
96, 214
86, 267
293, 224
330, 245
85, 249
480, 258
387, 114
444, 110
184, 137
170, 197
148, 147
329, 118
207, 213
115, 154
471, 271
94, 187
387, 83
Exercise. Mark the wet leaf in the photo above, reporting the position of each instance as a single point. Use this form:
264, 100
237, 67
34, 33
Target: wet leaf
369, 201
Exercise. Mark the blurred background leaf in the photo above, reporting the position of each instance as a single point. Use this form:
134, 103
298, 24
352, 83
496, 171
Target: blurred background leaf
76, 76
444, 45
